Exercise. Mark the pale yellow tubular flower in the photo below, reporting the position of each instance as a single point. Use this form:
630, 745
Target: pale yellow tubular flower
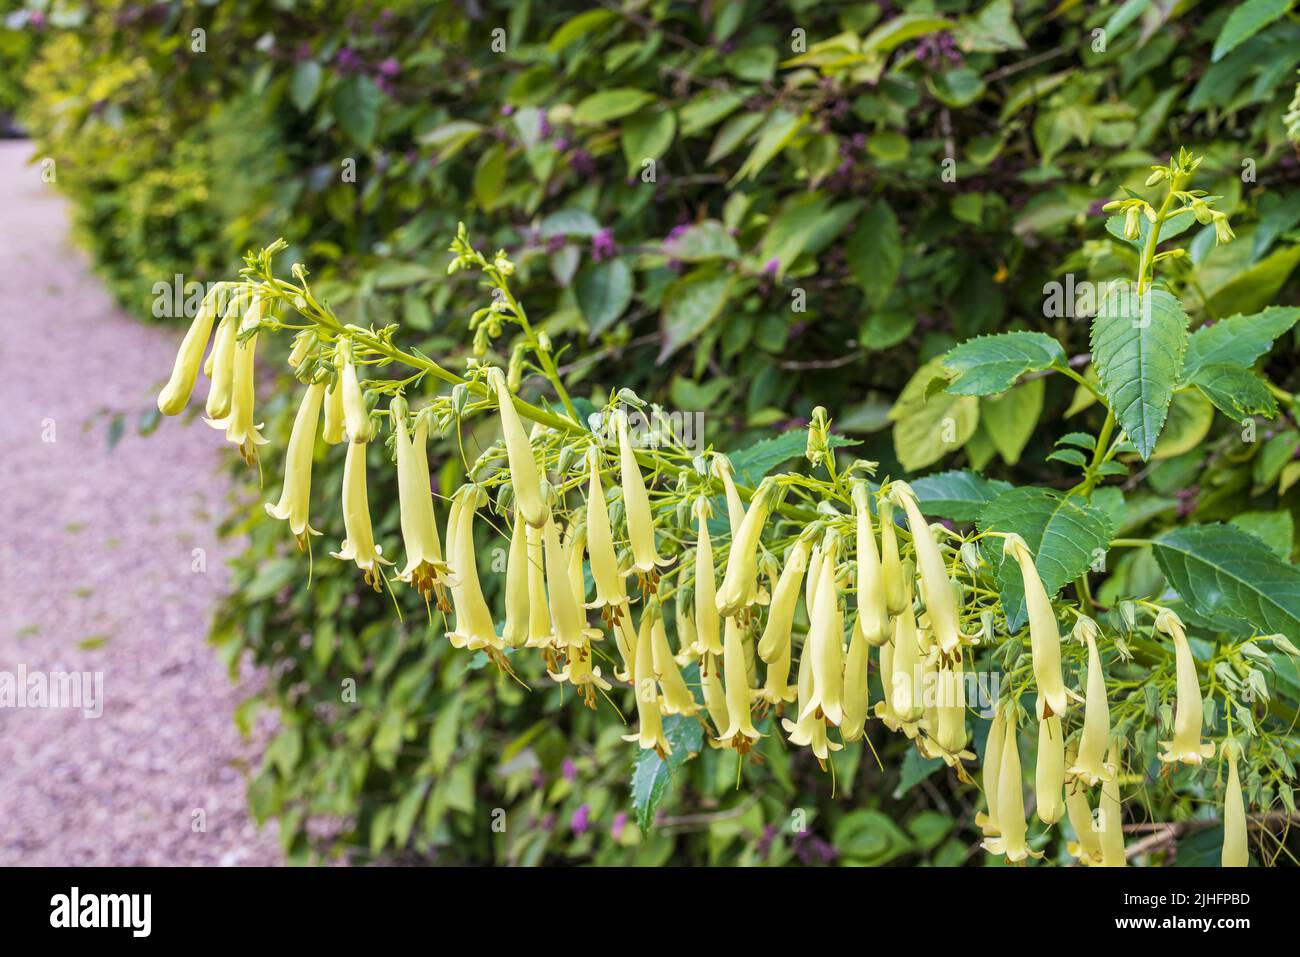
873, 611
677, 698
568, 624
884, 709
775, 642
515, 629
519, 452
936, 590
359, 541
776, 683
302, 346
636, 506
539, 609
904, 688
625, 641
295, 496
740, 732
740, 582
1236, 851
809, 731
1090, 766
356, 417
585, 678
715, 696
222, 360
175, 395
1012, 828
685, 625
951, 733
1049, 771
1189, 712
891, 567
826, 641
1086, 846
575, 544
335, 430
708, 624
610, 594
426, 570
475, 629
721, 467
1111, 819
857, 692
650, 733
238, 424
812, 580
1044, 636
990, 773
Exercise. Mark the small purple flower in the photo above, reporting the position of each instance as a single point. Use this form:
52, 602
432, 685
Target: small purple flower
676, 232
603, 246
347, 60
544, 128
390, 67
507, 110
583, 164
37, 19
772, 267
620, 822
554, 244
569, 769
581, 819
548, 822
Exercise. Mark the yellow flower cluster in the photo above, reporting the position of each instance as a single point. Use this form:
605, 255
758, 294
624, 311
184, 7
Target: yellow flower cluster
597, 517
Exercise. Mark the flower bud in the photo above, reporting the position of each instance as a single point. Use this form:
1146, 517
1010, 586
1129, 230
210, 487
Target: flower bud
1090, 766
176, 393
1236, 852
739, 583
1189, 712
708, 627
1049, 771
936, 592
519, 451
826, 643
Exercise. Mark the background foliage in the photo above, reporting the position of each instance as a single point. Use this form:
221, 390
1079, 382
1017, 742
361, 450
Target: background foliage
802, 242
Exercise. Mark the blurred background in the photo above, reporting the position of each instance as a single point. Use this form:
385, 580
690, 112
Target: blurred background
742, 208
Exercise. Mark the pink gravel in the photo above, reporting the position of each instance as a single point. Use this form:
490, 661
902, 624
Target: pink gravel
95, 575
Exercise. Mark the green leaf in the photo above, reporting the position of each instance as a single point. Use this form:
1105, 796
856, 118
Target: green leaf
1238, 340
355, 105
1245, 21
703, 241
929, 426
1274, 529
776, 133
647, 136
1065, 534
1236, 392
604, 291
569, 222
992, 30
1220, 570
490, 176
1137, 346
706, 109
305, 84
989, 364
690, 305
607, 105
907, 26
752, 463
652, 775
575, 28
1253, 288
1010, 418
733, 132
1175, 225
957, 494
869, 838
875, 252
1189, 420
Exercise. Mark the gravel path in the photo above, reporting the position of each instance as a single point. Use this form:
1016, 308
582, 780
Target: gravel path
96, 575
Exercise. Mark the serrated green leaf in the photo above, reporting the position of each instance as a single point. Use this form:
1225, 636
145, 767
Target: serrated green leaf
957, 494
928, 426
1220, 570
1237, 340
1190, 418
991, 364
1137, 346
652, 775
1236, 392
1065, 534
1275, 529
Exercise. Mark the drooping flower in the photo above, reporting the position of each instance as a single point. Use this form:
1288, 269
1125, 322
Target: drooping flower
884, 709
1110, 817
636, 507
1049, 772
356, 417
873, 612
1189, 712
568, 623
715, 696
610, 595
739, 583
825, 643
295, 496
238, 423
335, 430
1236, 852
774, 647
175, 395
519, 452
857, 699
992, 770
1086, 847
359, 541
708, 626
425, 570
950, 733
625, 640
891, 567
539, 610
515, 629
1044, 636
812, 580
936, 591
1012, 828
220, 365
474, 629
677, 698
903, 685
584, 676
740, 732
650, 733
809, 731
1090, 766
721, 467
